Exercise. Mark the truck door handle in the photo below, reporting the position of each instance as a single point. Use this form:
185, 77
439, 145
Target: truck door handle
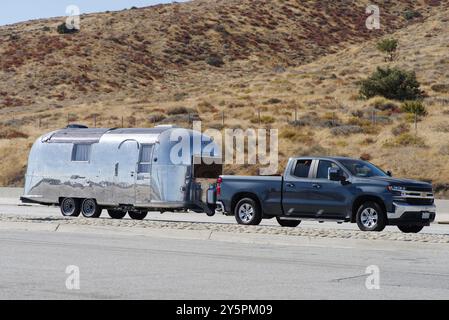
316, 186
290, 185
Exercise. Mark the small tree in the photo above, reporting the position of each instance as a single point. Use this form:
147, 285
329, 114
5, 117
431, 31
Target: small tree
388, 47
395, 84
415, 107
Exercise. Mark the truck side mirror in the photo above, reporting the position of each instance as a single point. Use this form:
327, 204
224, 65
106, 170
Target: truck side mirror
389, 173
335, 174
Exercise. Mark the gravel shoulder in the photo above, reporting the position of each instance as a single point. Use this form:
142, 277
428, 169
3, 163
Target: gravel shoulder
202, 230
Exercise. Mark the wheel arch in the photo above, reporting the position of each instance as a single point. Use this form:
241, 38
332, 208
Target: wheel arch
362, 199
245, 194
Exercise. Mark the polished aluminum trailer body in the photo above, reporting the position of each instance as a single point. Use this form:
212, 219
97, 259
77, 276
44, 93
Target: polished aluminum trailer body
119, 167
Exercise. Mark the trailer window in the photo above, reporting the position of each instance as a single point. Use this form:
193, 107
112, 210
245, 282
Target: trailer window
145, 158
81, 152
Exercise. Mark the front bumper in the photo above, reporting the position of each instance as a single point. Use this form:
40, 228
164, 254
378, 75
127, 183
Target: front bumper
411, 214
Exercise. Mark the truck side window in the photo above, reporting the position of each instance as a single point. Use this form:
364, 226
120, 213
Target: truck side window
302, 168
323, 169
145, 158
81, 152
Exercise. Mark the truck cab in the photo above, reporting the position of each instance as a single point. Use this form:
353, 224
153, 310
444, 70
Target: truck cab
330, 189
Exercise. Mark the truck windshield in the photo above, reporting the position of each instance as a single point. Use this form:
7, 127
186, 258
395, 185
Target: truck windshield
362, 169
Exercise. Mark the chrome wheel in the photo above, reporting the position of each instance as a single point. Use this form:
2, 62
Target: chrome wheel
369, 218
246, 212
68, 207
90, 208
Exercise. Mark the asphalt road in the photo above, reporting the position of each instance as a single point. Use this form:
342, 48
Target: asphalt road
114, 265
33, 266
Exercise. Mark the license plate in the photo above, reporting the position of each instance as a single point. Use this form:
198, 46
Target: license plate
426, 215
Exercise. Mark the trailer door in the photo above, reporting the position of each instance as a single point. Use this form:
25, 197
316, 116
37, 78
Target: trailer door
125, 173
143, 178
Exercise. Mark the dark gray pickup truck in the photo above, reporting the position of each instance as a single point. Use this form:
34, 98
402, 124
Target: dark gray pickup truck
329, 188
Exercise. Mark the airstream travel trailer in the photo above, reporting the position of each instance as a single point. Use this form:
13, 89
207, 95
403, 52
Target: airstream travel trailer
86, 170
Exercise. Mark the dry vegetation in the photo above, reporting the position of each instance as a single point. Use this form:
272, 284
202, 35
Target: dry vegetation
205, 59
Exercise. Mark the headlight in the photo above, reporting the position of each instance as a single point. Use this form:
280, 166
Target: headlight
396, 188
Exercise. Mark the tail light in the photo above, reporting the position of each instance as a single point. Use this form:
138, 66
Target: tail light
219, 181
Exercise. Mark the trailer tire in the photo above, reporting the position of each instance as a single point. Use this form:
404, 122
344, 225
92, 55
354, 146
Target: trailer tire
371, 217
288, 223
90, 208
137, 215
247, 212
70, 207
410, 228
116, 214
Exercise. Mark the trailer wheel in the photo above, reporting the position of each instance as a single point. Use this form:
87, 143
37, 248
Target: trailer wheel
288, 223
137, 215
116, 214
247, 212
90, 208
70, 207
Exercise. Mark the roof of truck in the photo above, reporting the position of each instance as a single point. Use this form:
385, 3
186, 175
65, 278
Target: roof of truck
337, 158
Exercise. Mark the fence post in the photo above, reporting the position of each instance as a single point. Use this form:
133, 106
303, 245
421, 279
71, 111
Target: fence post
258, 111
122, 121
416, 124
223, 118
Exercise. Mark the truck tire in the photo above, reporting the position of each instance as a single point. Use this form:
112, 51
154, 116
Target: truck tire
410, 228
90, 208
116, 214
247, 212
137, 215
371, 217
70, 207
288, 223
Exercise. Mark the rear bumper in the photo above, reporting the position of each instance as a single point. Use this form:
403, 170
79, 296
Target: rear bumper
220, 208
411, 214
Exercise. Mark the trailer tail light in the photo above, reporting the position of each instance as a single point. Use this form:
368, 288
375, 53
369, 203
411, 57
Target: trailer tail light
219, 181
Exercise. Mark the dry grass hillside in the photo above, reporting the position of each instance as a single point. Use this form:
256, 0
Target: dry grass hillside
203, 59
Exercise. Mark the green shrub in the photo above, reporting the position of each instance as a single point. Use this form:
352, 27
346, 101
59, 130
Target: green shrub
392, 83
178, 110
215, 61
62, 29
412, 14
415, 107
389, 48
407, 139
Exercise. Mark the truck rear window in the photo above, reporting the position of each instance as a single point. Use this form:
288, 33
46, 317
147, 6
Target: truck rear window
302, 168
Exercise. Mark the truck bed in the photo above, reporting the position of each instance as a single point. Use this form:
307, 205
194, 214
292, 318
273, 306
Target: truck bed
267, 188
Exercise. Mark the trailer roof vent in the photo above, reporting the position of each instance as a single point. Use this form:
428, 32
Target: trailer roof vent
76, 126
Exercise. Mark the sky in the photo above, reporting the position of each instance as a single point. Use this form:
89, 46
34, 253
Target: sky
12, 11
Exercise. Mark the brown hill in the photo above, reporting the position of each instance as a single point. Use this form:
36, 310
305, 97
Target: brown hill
152, 65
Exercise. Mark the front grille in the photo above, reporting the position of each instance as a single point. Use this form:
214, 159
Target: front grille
419, 189
419, 201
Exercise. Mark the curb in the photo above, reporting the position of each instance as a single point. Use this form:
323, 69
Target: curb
215, 235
